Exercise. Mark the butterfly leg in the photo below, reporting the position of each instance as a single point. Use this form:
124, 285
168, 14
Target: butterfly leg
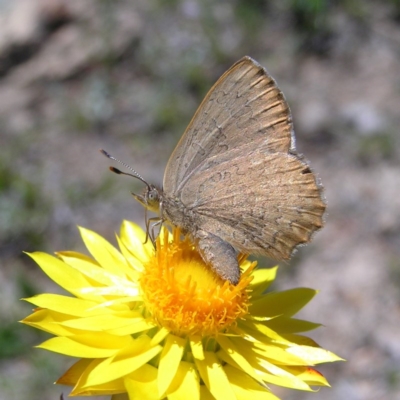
151, 223
220, 255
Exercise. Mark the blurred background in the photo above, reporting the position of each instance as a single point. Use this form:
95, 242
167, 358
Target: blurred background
127, 76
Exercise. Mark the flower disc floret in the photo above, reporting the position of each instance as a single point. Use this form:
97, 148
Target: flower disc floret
185, 296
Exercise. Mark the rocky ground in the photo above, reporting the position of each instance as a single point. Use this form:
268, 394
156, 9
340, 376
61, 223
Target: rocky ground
127, 76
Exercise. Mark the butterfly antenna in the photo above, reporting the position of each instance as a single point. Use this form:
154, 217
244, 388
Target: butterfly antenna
117, 171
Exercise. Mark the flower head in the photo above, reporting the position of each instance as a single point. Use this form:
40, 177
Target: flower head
157, 324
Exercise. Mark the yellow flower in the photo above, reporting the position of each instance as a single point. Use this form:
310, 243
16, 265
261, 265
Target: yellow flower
161, 325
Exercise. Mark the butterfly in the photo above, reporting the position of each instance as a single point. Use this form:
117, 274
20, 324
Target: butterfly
235, 182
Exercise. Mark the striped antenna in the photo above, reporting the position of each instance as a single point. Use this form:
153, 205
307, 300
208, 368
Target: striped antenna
119, 172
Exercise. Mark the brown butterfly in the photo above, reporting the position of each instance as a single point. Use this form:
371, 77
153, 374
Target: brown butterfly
234, 181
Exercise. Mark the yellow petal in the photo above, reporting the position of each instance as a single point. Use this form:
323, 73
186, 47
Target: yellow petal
268, 349
260, 332
67, 305
112, 388
142, 383
170, 359
262, 279
309, 375
72, 375
197, 347
128, 293
277, 354
267, 371
103, 252
301, 340
287, 303
105, 322
127, 360
49, 321
75, 254
98, 275
82, 389
186, 384
213, 375
61, 273
313, 355
159, 336
245, 387
136, 326
135, 267
232, 351
87, 345
280, 375
205, 393
133, 238
290, 325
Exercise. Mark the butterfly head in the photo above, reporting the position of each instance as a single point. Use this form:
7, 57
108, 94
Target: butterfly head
150, 199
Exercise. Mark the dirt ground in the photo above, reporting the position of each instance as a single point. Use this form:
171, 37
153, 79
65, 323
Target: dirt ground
127, 76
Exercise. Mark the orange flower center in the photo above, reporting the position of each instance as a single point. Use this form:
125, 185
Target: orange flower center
185, 296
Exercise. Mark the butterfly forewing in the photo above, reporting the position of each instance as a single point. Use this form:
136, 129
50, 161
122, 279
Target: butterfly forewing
244, 108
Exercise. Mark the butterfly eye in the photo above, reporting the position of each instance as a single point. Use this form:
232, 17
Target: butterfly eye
152, 196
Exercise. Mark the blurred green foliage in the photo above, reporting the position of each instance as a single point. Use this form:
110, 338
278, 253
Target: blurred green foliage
377, 148
23, 211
